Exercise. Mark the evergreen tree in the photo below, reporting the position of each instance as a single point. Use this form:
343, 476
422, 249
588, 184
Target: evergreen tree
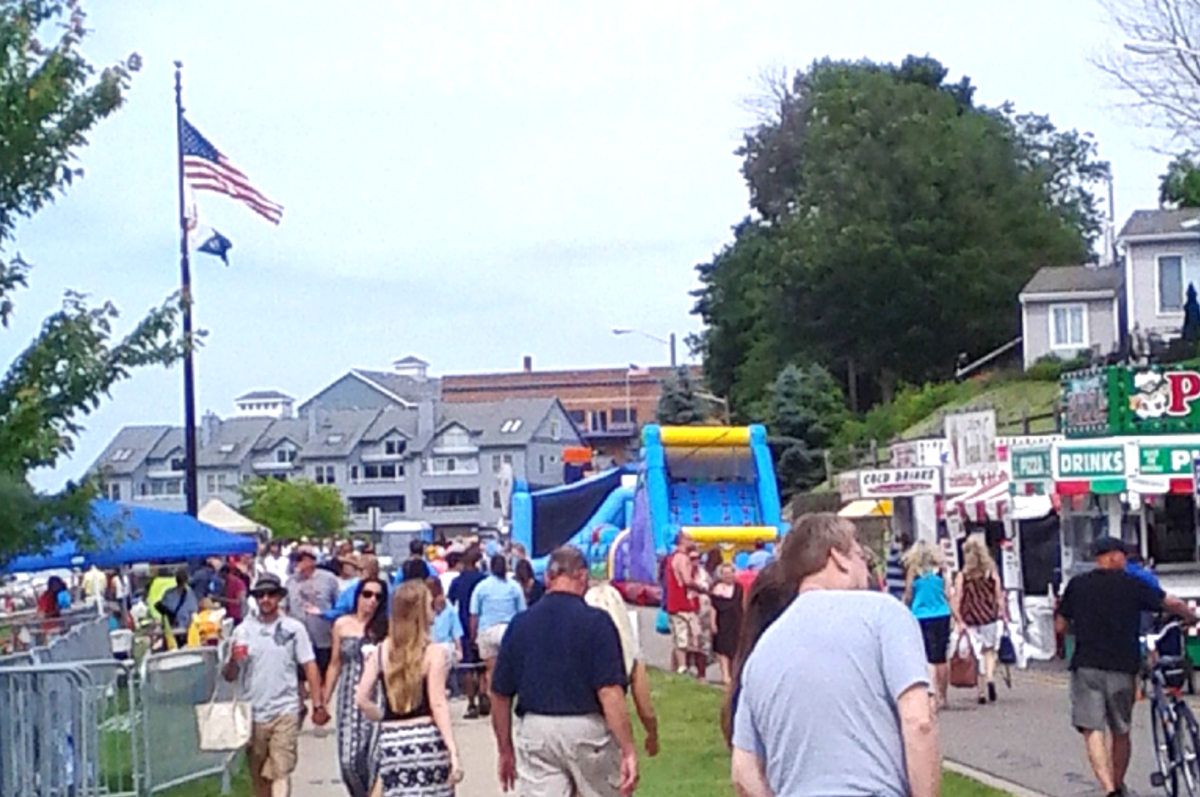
805, 411
678, 404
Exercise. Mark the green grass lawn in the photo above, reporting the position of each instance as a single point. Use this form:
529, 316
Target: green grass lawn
211, 787
694, 762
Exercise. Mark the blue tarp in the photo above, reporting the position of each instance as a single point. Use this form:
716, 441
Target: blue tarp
128, 535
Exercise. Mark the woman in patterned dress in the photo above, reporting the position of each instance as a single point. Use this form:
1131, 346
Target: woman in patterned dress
353, 636
415, 754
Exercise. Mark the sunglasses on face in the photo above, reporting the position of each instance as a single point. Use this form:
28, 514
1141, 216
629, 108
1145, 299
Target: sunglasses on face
373, 595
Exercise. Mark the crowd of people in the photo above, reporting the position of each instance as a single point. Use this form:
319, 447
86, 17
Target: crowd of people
551, 660
452, 618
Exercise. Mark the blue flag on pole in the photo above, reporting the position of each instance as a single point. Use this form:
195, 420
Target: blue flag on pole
217, 245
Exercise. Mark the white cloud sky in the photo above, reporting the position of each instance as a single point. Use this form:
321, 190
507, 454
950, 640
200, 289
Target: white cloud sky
477, 181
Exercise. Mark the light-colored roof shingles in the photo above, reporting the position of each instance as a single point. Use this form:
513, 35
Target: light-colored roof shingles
138, 440
1161, 222
1074, 279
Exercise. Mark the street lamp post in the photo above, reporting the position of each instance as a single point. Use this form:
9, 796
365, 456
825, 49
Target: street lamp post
669, 341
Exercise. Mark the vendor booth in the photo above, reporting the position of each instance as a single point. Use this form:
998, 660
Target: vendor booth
1127, 468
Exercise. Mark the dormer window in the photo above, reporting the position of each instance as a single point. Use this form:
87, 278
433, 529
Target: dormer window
177, 463
394, 448
285, 455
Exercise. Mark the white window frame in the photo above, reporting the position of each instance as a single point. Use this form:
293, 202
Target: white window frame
1184, 282
1068, 307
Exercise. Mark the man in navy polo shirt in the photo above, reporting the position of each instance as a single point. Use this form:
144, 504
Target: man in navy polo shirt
562, 662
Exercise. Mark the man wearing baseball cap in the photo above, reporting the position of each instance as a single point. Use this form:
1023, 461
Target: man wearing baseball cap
267, 649
1104, 609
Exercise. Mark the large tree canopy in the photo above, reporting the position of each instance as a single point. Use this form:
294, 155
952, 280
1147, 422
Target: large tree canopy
895, 224
50, 98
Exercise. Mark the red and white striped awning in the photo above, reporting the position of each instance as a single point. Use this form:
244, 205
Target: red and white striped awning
989, 502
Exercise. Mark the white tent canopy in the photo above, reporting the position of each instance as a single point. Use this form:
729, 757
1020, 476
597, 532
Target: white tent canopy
220, 514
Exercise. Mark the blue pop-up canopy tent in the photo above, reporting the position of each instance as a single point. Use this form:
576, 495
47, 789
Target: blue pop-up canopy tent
126, 535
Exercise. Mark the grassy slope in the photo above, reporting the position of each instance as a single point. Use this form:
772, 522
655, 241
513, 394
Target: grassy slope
1010, 400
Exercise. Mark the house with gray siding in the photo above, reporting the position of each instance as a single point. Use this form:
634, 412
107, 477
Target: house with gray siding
1066, 310
1162, 258
407, 459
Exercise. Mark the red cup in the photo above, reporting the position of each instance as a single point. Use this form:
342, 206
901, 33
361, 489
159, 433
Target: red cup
240, 651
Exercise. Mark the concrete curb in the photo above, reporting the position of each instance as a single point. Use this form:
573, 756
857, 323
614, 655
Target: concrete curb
987, 779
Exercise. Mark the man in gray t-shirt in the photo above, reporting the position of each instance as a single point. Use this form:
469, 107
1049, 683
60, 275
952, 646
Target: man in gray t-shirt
310, 593
834, 698
268, 647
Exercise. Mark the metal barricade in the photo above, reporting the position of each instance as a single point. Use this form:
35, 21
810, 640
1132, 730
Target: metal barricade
173, 684
69, 729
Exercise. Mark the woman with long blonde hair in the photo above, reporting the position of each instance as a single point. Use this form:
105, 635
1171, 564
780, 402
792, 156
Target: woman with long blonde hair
979, 601
415, 752
927, 592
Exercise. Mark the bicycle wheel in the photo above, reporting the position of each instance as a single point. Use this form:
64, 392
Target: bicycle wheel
1165, 748
1187, 738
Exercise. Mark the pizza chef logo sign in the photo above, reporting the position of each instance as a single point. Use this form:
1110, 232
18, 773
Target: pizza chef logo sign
899, 482
1169, 394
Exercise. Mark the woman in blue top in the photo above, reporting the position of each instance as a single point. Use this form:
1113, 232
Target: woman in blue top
927, 591
447, 629
494, 603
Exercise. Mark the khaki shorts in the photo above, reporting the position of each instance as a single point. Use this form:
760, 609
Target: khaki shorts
560, 756
273, 747
489, 641
685, 631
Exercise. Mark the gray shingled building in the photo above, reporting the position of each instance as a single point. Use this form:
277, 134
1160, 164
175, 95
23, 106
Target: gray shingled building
385, 440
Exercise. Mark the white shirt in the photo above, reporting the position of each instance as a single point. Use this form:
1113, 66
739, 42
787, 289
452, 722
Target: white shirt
277, 566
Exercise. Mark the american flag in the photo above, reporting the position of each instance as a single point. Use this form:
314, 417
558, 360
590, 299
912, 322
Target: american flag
206, 169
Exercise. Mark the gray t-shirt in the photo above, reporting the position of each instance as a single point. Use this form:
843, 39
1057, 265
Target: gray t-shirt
275, 650
818, 695
320, 590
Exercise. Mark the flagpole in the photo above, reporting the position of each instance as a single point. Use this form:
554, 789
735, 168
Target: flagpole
190, 485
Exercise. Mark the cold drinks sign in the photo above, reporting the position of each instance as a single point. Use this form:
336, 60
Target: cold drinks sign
1129, 401
899, 482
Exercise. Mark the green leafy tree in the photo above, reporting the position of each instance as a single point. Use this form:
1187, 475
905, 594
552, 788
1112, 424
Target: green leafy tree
293, 509
1179, 186
678, 403
50, 99
806, 412
898, 222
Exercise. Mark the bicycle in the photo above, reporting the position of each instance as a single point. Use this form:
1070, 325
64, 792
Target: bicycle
1172, 724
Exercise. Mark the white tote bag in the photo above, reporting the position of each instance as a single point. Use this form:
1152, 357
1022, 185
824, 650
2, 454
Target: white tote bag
223, 727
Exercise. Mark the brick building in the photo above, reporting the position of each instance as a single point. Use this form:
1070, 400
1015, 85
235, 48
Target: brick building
608, 405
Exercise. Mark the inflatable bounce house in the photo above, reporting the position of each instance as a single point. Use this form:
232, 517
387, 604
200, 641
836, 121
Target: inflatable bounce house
716, 483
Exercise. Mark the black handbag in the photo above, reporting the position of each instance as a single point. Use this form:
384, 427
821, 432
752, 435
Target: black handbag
1007, 652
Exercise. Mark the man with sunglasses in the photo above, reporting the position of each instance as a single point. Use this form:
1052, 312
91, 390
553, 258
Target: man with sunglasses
267, 649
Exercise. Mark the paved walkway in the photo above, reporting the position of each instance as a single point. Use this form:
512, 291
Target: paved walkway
317, 773
1025, 738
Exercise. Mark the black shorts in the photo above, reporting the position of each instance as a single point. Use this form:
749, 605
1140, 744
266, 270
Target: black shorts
936, 633
470, 652
323, 656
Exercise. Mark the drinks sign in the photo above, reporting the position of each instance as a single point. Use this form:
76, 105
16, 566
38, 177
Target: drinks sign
899, 482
